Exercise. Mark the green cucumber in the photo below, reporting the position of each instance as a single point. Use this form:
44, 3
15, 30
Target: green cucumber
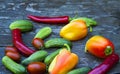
50, 57
23, 25
83, 70
57, 42
43, 33
13, 66
35, 57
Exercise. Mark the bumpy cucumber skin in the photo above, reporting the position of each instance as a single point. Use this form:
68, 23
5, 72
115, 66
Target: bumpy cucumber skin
57, 42
35, 57
43, 33
13, 66
23, 25
50, 57
83, 70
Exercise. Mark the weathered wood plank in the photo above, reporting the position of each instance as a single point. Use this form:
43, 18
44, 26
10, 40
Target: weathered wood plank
105, 12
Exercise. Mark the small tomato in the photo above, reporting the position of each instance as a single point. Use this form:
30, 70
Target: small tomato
36, 68
99, 46
10, 49
38, 43
14, 56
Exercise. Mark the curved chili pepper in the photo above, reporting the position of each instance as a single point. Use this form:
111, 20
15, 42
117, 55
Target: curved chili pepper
17, 36
106, 65
18, 43
50, 20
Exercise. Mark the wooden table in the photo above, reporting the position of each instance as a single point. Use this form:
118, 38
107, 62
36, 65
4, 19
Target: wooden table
105, 12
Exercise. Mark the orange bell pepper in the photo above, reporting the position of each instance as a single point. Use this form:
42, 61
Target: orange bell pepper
63, 62
99, 46
77, 28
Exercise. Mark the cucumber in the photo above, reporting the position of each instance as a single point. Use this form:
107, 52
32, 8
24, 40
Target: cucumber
35, 57
83, 70
23, 25
43, 33
57, 42
50, 57
13, 66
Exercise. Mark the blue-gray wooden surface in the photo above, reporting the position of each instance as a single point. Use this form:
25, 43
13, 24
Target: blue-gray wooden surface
105, 12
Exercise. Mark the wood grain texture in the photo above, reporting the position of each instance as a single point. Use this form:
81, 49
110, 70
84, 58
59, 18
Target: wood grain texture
105, 12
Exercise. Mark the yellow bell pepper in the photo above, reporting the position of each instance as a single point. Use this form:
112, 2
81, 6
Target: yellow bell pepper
63, 62
77, 28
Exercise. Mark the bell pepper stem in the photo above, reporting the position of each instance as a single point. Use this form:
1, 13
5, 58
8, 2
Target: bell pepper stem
67, 46
89, 21
108, 50
91, 29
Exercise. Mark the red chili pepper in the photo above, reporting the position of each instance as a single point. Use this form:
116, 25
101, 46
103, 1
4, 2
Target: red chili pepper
50, 20
106, 65
18, 43
17, 36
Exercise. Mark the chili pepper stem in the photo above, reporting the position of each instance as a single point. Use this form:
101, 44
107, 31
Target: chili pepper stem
108, 50
75, 17
67, 46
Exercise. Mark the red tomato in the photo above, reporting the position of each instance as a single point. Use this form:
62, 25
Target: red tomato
10, 49
14, 56
38, 43
36, 68
99, 46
